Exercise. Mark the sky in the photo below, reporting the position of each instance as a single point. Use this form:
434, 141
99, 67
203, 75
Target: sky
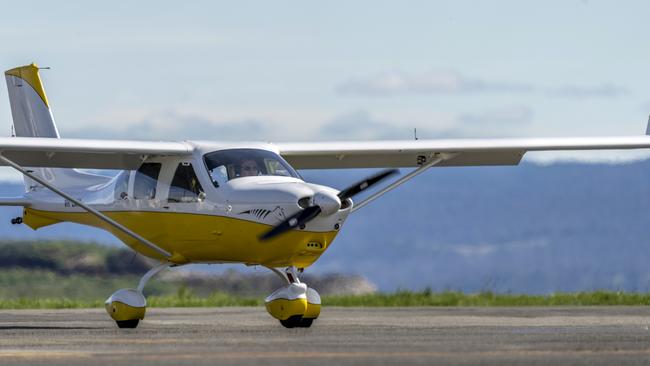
337, 70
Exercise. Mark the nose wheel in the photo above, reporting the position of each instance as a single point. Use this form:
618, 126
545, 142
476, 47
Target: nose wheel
295, 305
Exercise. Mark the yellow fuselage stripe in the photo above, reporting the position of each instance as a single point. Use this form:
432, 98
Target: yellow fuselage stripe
201, 238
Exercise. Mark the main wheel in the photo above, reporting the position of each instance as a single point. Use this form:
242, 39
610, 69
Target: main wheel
306, 322
292, 322
127, 323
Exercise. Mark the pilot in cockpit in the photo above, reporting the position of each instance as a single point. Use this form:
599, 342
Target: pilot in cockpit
248, 168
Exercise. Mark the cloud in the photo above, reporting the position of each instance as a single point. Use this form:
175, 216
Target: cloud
360, 125
176, 125
452, 82
508, 116
443, 82
171, 125
594, 91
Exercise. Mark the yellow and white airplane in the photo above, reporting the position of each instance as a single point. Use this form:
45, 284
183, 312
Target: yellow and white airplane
214, 202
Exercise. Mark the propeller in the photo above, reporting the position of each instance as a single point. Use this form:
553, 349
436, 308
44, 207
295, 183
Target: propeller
364, 184
304, 216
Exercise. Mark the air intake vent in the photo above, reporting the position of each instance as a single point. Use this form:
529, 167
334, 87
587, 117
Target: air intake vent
304, 202
346, 203
314, 245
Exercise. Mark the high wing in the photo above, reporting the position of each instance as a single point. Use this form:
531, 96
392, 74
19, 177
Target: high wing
129, 154
86, 153
455, 152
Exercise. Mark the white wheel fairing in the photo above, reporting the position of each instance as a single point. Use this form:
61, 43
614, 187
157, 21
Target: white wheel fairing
128, 296
126, 305
313, 297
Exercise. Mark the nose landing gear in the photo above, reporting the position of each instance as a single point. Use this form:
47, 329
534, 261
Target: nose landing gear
128, 306
294, 305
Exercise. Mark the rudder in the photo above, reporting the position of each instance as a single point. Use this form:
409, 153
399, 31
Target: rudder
30, 108
32, 117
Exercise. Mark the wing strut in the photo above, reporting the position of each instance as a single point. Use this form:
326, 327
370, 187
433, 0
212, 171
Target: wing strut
435, 161
91, 210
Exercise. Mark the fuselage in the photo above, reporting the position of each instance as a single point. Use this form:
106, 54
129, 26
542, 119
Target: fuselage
202, 208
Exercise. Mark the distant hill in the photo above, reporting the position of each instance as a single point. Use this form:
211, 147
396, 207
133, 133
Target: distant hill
530, 229
67, 258
74, 270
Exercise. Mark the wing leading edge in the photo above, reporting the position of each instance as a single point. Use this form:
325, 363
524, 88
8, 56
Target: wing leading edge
127, 154
413, 153
86, 154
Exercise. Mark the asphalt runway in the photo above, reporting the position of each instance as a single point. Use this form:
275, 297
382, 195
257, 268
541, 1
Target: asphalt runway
248, 336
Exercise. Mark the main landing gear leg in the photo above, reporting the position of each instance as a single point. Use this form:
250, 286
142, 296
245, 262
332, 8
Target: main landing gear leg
127, 306
295, 304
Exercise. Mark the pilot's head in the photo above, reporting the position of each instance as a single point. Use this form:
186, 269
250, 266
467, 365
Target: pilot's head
248, 168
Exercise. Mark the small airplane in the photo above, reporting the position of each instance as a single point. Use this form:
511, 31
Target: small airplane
221, 202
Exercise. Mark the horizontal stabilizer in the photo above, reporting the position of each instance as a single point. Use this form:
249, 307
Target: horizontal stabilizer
15, 201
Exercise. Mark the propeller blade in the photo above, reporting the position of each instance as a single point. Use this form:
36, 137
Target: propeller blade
366, 183
309, 213
300, 218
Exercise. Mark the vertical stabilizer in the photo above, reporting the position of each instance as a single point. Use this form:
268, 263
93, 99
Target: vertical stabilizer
32, 117
29, 106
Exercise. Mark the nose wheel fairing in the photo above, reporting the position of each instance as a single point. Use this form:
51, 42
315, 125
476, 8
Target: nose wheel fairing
294, 304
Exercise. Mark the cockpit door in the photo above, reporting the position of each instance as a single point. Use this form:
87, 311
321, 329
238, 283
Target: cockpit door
185, 186
145, 181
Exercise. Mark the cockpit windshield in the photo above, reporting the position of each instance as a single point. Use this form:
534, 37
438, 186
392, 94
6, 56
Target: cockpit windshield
225, 165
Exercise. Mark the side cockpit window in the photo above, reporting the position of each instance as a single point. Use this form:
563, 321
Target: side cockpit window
185, 185
145, 181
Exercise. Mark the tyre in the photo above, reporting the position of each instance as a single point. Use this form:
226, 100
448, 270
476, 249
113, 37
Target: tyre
127, 323
306, 322
292, 322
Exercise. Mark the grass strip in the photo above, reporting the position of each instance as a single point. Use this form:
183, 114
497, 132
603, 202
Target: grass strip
400, 298
452, 298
